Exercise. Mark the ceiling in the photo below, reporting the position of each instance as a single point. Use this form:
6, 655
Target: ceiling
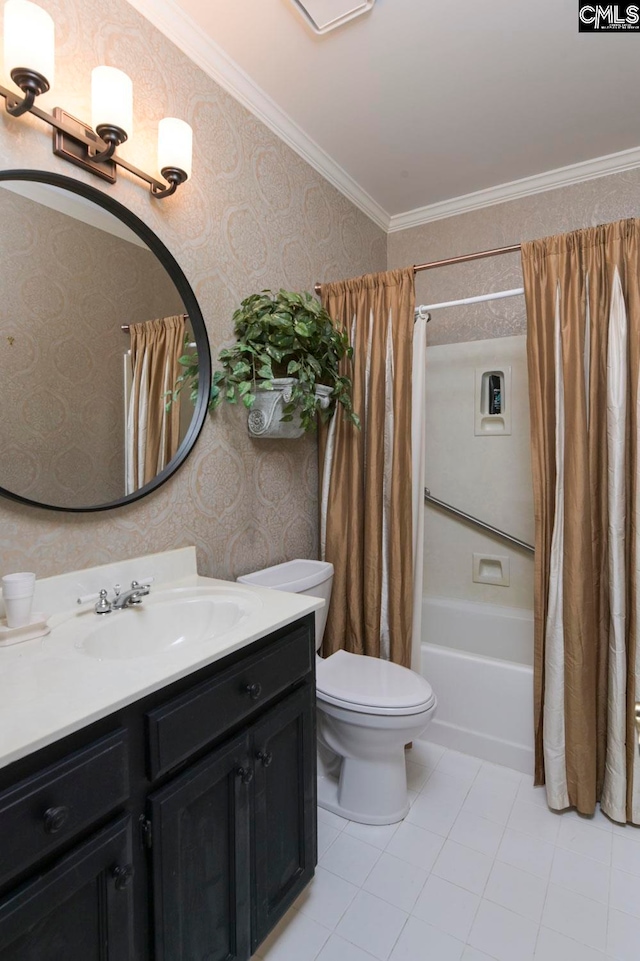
418, 102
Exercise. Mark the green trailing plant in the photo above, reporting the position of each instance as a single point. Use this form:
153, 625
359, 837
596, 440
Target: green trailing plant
281, 334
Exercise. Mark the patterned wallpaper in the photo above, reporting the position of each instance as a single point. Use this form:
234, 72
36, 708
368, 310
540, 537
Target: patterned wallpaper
61, 350
254, 215
556, 211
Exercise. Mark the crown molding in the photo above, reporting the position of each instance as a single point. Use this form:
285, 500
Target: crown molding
183, 31
561, 177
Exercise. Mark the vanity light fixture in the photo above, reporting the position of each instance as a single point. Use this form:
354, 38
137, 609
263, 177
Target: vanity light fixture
29, 60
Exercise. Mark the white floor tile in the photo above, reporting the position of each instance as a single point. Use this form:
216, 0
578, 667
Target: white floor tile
337, 949
378, 835
333, 820
552, 946
472, 954
575, 916
396, 881
534, 795
584, 838
295, 938
415, 845
516, 890
623, 942
477, 833
626, 854
447, 906
445, 787
463, 866
526, 853
480, 870
372, 925
582, 875
417, 774
498, 774
491, 801
425, 753
350, 859
534, 819
326, 898
461, 766
420, 941
502, 934
326, 837
434, 814
625, 893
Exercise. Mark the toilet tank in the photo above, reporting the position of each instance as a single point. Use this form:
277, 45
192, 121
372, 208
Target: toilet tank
298, 577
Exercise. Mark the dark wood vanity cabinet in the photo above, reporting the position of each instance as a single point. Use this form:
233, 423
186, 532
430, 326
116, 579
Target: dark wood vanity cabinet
179, 829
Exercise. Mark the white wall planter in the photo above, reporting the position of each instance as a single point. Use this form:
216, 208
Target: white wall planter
264, 418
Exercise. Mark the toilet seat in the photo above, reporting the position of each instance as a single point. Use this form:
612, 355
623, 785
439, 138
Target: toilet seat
369, 685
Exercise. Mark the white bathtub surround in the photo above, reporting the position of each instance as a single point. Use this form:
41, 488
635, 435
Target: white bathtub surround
493, 876
50, 687
582, 295
478, 658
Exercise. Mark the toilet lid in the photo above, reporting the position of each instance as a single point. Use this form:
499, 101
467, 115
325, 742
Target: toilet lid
368, 682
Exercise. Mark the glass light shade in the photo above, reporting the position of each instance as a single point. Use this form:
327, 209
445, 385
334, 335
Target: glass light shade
111, 99
29, 38
175, 144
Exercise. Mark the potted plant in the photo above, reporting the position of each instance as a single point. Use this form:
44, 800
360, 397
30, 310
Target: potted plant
284, 366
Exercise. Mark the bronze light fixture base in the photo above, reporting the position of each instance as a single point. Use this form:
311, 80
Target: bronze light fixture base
32, 85
174, 176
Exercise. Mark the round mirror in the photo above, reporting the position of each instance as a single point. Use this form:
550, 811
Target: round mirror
94, 316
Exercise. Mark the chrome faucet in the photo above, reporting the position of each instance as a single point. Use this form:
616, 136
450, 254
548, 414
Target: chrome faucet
131, 597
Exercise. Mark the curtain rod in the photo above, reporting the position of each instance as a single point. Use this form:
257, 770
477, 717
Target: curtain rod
125, 327
461, 259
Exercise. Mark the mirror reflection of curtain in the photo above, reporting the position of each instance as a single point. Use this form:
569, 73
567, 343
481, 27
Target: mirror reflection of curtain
153, 432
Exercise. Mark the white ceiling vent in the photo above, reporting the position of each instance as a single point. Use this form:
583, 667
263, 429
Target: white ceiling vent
325, 15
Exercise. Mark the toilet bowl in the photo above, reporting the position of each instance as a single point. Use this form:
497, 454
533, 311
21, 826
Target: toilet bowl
368, 709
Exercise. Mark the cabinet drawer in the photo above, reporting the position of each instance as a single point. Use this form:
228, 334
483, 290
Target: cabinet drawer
191, 721
45, 810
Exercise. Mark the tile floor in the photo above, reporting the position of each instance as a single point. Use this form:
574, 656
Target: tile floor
480, 870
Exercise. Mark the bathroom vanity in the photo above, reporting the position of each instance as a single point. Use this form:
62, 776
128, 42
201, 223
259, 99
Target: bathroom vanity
179, 826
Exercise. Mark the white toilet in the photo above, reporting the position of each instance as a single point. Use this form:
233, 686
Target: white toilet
368, 709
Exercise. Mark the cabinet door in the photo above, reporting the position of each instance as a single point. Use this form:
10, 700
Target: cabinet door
79, 910
284, 816
201, 863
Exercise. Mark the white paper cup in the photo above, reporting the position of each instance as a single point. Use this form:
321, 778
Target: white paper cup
17, 594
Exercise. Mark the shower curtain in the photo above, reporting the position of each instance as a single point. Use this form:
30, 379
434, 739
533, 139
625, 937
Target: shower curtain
366, 475
153, 431
583, 312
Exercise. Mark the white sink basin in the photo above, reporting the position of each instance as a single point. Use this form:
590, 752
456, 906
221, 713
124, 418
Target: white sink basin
168, 620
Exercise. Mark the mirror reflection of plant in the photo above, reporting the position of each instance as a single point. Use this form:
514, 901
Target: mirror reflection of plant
282, 335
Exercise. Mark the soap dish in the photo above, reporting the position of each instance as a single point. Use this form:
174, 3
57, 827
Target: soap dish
37, 627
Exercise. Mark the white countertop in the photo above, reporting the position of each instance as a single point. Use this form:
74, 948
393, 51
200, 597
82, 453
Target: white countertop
49, 687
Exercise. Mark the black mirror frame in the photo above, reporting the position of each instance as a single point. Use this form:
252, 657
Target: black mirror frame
192, 308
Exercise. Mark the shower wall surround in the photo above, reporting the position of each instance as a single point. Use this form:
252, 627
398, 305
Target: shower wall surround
254, 215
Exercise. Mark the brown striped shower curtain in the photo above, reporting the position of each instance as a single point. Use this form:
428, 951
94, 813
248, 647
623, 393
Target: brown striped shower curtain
366, 475
582, 293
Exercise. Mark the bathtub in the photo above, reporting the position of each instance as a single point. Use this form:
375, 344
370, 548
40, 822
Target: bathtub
478, 658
